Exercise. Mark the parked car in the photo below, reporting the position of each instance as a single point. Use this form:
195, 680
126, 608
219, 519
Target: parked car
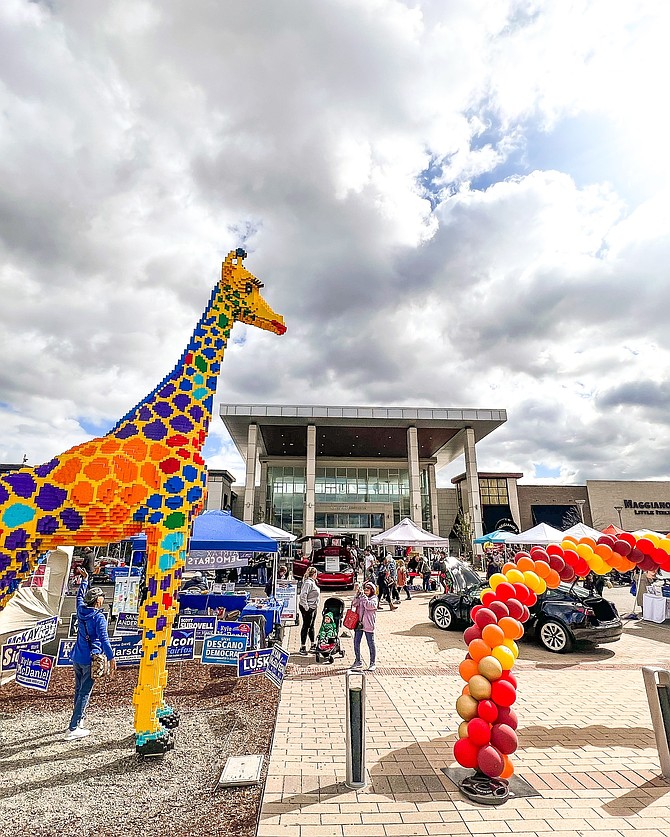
559, 619
331, 557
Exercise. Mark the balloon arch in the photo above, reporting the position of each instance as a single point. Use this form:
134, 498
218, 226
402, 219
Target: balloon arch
487, 733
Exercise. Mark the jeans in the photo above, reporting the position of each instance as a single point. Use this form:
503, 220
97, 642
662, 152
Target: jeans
406, 589
83, 686
370, 636
308, 619
426, 583
262, 575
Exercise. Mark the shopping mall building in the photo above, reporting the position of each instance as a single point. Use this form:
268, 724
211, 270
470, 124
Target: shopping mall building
361, 469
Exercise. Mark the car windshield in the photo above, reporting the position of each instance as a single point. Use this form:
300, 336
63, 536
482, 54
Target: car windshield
464, 578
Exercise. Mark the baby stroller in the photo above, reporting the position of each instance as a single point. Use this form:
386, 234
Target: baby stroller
328, 641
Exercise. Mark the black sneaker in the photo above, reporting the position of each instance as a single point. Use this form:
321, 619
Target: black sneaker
303, 651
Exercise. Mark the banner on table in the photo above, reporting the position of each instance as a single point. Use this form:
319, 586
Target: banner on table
223, 649
253, 662
9, 654
287, 595
216, 559
203, 626
276, 667
33, 670
43, 631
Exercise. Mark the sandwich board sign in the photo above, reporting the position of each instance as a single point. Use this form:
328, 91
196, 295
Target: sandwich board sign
276, 667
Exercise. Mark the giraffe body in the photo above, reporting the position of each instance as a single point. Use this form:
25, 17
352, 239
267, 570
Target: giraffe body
146, 474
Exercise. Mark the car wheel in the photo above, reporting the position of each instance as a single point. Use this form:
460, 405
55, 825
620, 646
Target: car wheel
443, 616
555, 637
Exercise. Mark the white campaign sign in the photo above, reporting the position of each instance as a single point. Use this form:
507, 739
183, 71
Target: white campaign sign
287, 595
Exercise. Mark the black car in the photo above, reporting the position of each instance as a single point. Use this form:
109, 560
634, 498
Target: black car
561, 617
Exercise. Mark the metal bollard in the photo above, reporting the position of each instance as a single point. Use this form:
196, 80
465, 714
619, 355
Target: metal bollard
657, 684
356, 777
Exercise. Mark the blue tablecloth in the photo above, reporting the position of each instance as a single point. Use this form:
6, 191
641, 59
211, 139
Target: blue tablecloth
198, 601
270, 612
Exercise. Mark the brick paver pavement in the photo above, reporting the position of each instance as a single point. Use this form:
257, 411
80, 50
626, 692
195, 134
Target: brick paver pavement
586, 742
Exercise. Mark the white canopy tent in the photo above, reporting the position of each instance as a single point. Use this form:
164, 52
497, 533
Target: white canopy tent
581, 530
542, 534
275, 533
407, 533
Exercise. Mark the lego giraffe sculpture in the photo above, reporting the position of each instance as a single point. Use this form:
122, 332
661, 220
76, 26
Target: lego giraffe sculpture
145, 474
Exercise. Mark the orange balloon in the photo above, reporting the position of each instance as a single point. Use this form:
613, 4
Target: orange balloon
468, 669
493, 635
605, 552
507, 567
570, 538
553, 579
478, 649
512, 628
508, 768
525, 564
589, 541
542, 569
466, 690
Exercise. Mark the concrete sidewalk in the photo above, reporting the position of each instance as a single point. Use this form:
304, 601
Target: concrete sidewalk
586, 742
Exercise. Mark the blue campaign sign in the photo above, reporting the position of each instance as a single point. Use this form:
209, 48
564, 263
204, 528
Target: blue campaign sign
203, 626
126, 623
9, 655
33, 670
64, 648
74, 624
223, 649
253, 662
127, 649
182, 646
233, 629
43, 631
276, 668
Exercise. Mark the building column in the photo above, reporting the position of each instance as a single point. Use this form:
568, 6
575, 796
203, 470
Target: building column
263, 495
513, 496
432, 491
310, 480
250, 479
472, 482
414, 475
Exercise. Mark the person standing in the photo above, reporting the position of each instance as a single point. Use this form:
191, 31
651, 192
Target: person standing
423, 568
309, 603
92, 638
402, 582
383, 583
392, 578
365, 604
369, 560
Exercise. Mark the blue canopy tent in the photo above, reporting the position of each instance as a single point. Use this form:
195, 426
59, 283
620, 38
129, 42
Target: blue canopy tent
219, 540
499, 536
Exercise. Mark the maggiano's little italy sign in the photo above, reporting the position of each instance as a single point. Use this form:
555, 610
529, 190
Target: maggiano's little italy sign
647, 506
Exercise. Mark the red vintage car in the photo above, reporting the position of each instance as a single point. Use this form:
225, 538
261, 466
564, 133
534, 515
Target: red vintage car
332, 559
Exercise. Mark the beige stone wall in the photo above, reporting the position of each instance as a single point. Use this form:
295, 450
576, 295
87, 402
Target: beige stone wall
605, 495
447, 508
549, 495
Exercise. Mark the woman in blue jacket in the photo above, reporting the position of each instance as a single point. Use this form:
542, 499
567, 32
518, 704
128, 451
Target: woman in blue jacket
92, 638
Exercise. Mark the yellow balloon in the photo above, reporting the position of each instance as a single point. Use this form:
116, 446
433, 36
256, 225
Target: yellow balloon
532, 581
513, 647
484, 592
568, 545
584, 551
541, 588
496, 579
654, 538
514, 576
664, 544
504, 655
599, 566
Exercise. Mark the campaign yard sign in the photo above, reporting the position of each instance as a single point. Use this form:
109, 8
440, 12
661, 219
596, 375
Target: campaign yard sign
233, 628
74, 624
126, 623
253, 662
203, 626
223, 649
276, 667
9, 655
63, 656
128, 648
182, 646
33, 670
43, 631
287, 594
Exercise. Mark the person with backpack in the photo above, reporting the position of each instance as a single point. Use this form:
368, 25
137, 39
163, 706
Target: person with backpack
423, 568
92, 639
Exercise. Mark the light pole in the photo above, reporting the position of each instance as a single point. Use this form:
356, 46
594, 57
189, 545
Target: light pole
618, 511
580, 506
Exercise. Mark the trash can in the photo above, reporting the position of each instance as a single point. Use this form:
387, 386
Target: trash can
657, 684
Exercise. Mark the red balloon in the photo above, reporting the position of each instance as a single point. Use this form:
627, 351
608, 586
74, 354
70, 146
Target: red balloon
479, 732
622, 548
645, 546
660, 555
525, 616
488, 711
507, 675
567, 574
503, 738
474, 610
555, 549
570, 557
647, 563
538, 553
488, 597
484, 617
582, 569
635, 555
531, 599
471, 633
626, 536
521, 592
503, 693
505, 591
515, 608
465, 752
490, 761
508, 716
556, 563
500, 609
521, 555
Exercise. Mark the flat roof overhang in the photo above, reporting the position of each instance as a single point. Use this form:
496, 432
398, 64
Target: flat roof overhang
360, 432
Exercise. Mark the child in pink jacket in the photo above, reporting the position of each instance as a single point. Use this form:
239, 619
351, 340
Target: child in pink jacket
365, 604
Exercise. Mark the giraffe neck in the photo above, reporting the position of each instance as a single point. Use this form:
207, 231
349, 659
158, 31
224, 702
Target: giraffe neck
179, 409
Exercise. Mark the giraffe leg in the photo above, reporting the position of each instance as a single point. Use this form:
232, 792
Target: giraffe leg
165, 558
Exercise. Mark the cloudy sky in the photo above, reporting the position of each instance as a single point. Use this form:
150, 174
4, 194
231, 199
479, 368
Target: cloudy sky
452, 204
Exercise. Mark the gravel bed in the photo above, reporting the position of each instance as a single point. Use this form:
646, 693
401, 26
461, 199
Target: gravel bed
98, 786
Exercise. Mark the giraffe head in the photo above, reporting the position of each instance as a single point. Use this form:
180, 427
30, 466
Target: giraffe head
243, 289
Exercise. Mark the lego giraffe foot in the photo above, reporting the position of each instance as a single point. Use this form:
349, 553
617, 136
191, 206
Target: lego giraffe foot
168, 717
154, 744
